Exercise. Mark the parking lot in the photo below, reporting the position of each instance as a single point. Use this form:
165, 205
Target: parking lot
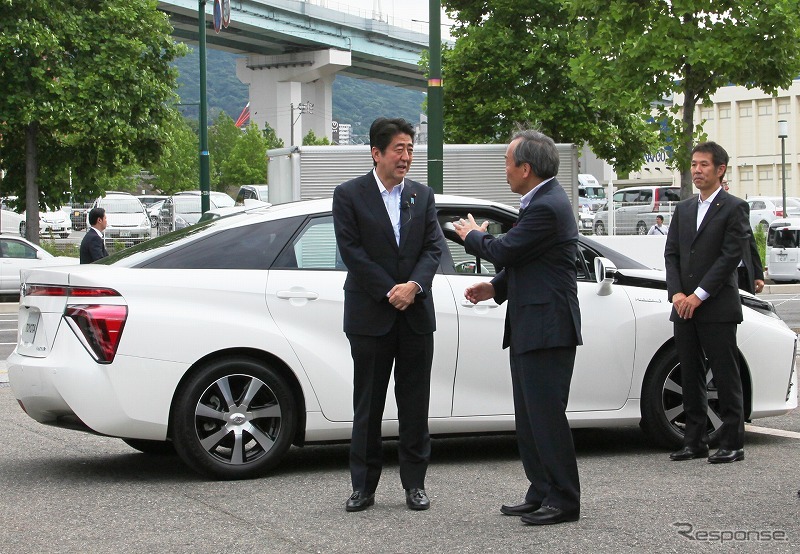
65, 491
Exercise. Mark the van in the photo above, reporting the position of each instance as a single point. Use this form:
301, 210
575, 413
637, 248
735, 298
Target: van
636, 208
783, 250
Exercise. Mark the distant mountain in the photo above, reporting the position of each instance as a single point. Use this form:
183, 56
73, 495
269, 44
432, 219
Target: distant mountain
355, 101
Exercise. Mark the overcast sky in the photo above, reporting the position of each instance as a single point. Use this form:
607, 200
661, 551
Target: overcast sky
407, 10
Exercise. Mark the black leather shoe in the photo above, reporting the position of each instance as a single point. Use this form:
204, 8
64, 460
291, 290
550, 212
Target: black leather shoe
725, 456
359, 501
520, 509
549, 515
689, 453
417, 499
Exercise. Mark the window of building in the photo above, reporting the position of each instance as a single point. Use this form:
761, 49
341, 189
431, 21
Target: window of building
764, 173
783, 105
765, 108
745, 111
707, 113
745, 174
724, 113
788, 169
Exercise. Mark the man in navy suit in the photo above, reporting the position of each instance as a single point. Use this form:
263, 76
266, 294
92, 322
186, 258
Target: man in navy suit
93, 245
390, 240
542, 326
708, 238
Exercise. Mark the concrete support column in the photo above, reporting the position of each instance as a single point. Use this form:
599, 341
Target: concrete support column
279, 82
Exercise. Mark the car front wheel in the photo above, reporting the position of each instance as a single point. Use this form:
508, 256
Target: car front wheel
599, 228
641, 228
233, 419
663, 418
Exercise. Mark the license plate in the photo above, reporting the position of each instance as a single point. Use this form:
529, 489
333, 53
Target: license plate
124, 233
29, 330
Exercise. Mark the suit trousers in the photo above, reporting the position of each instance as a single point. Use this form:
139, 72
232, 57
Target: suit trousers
373, 358
715, 342
541, 381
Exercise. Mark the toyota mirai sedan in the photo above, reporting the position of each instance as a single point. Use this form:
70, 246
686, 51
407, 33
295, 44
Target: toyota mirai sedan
223, 341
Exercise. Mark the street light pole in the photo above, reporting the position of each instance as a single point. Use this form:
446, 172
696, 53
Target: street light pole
783, 132
205, 166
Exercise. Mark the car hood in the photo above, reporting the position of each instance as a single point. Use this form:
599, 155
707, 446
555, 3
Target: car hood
127, 220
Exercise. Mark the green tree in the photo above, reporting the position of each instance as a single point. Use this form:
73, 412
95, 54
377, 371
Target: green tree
178, 167
272, 138
85, 87
247, 162
510, 66
222, 139
644, 50
311, 139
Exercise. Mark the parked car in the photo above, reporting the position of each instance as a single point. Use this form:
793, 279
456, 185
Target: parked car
57, 222
10, 223
783, 250
128, 221
636, 208
16, 253
154, 212
180, 211
255, 192
219, 199
224, 341
766, 209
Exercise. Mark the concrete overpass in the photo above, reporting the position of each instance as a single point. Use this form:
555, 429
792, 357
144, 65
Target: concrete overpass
292, 51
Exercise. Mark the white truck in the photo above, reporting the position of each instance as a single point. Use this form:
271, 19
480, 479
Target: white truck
476, 170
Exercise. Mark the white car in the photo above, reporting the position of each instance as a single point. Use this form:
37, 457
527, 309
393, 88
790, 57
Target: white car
766, 209
224, 341
57, 222
11, 223
128, 221
16, 253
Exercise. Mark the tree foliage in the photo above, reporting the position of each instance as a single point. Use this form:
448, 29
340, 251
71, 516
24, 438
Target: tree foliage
178, 168
311, 139
85, 89
247, 162
222, 137
644, 50
510, 67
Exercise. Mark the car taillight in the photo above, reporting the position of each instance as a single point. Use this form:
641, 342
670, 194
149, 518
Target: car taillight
99, 327
58, 290
778, 213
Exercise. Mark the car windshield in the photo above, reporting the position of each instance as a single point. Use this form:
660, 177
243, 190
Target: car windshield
187, 204
121, 205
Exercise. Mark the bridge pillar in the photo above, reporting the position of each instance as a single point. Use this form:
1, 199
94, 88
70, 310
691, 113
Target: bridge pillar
279, 82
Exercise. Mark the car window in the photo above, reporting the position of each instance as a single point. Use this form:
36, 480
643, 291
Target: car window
14, 249
245, 247
459, 260
758, 205
314, 247
669, 195
117, 205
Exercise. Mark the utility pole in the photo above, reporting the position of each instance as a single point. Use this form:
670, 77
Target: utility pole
435, 101
302, 107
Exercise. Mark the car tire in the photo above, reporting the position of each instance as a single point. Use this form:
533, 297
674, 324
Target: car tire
599, 228
663, 419
641, 228
764, 225
154, 448
22, 228
234, 418
154, 221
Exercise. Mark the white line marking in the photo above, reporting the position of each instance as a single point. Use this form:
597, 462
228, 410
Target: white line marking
772, 432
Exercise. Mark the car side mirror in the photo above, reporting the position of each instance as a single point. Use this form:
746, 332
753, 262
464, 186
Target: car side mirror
605, 271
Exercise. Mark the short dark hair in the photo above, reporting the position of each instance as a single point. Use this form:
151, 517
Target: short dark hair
537, 150
95, 214
718, 154
383, 130
661, 217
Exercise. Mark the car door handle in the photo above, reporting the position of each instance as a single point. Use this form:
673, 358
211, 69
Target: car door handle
468, 304
292, 294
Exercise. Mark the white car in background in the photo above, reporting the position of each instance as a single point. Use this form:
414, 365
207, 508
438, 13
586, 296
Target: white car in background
766, 209
224, 341
16, 253
128, 221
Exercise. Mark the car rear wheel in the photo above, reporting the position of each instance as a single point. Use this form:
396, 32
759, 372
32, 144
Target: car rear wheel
233, 419
663, 418
599, 228
641, 228
154, 448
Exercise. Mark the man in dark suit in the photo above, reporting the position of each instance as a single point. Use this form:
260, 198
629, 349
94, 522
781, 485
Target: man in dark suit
707, 239
390, 240
93, 245
750, 271
542, 326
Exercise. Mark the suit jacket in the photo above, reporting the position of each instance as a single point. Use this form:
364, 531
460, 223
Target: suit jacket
752, 266
92, 247
708, 257
539, 278
375, 262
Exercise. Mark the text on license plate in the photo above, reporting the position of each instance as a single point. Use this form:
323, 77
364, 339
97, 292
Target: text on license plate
29, 330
